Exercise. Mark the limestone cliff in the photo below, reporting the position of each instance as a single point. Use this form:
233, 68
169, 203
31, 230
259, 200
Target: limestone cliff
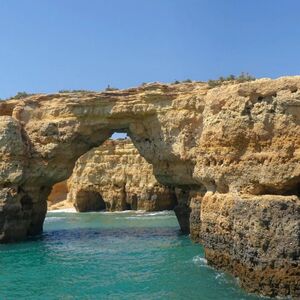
115, 176
232, 152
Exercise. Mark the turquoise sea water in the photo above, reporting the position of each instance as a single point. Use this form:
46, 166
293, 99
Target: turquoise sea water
129, 255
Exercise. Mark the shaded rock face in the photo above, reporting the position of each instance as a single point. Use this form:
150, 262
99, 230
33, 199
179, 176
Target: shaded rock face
115, 176
224, 148
254, 236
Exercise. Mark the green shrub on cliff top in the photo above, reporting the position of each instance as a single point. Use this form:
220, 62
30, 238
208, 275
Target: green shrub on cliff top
182, 81
243, 77
73, 91
21, 95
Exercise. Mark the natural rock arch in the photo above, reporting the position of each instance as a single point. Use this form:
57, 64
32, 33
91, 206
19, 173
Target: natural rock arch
122, 176
221, 147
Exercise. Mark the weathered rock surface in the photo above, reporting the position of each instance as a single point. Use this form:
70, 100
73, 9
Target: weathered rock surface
117, 177
226, 149
58, 197
256, 236
113, 176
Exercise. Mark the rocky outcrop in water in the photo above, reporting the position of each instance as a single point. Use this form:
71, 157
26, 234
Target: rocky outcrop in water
232, 153
256, 236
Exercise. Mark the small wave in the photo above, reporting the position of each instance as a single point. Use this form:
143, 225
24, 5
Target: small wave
63, 210
219, 275
54, 219
146, 218
159, 213
200, 260
153, 214
123, 212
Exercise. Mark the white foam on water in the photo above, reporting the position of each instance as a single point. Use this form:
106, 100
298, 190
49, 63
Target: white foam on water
123, 212
63, 210
143, 218
159, 213
151, 215
199, 259
219, 275
54, 219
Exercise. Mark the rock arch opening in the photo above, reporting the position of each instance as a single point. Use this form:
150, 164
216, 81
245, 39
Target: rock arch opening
115, 177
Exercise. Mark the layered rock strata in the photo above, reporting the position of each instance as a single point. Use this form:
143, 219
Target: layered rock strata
114, 177
232, 152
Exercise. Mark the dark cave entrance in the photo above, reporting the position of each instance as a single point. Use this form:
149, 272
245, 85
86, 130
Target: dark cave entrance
95, 201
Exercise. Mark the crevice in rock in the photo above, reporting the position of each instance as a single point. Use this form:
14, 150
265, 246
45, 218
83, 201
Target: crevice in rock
188, 208
291, 187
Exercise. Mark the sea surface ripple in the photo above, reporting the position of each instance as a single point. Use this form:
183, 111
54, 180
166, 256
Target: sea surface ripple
129, 255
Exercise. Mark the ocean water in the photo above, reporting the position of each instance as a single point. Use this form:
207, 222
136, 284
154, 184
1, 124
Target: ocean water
131, 255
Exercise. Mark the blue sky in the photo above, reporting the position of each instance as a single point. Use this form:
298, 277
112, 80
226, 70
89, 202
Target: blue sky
48, 45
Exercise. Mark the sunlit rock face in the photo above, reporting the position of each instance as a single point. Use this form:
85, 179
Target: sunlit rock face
225, 150
114, 177
57, 199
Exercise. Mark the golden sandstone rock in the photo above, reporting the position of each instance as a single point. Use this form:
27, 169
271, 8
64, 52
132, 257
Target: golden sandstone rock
231, 152
58, 197
113, 176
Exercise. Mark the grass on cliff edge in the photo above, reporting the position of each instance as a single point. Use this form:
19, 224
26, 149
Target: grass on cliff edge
243, 77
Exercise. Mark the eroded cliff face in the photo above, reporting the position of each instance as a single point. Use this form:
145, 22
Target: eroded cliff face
115, 176
232, 152
255, 238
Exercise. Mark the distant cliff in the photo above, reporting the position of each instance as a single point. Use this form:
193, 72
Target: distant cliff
113, 176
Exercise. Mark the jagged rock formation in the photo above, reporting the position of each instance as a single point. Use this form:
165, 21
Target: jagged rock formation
232, 152
117, 177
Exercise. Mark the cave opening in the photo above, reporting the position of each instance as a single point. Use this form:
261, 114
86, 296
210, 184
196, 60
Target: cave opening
114, 177
95, 201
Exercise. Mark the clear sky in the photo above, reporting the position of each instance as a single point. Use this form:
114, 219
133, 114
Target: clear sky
48, 45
